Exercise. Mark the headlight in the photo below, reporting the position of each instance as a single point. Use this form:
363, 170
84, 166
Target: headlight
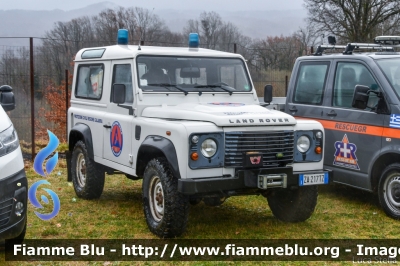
208, 148
8, 141
303, 144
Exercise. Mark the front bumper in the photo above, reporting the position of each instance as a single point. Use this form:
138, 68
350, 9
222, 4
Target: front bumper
13, 189
243, 180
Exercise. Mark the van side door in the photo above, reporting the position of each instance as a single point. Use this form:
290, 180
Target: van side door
308, 89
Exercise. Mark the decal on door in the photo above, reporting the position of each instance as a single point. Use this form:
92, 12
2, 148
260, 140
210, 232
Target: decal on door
345, 155
394, 121
116, 139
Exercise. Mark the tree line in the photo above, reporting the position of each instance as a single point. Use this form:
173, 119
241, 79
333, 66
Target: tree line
348, 20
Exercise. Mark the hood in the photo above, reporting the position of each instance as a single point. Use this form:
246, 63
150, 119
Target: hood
221, 114
5, 122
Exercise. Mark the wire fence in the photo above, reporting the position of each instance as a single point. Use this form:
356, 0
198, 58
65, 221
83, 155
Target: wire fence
30, 70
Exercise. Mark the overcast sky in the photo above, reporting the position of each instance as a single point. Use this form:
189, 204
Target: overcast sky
228, 5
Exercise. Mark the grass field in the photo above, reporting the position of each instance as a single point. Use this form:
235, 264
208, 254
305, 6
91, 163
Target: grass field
341, 213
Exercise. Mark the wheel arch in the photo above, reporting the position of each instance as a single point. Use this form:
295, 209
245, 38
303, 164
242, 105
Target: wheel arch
379, 166
81, 132
153, 147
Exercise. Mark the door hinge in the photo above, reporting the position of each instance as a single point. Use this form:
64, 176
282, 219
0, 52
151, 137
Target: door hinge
130, 158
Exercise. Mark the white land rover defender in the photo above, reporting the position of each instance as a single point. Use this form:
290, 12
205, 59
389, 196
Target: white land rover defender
188, 122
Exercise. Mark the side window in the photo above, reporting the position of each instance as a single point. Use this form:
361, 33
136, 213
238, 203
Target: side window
90, 81
122, 74
310, 83
347, 76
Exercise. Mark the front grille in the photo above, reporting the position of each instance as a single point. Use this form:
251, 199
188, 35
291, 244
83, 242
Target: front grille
268, 143
5, 210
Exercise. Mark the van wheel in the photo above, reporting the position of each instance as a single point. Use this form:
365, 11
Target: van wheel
166, 210
293, 205
389, 190
87, 176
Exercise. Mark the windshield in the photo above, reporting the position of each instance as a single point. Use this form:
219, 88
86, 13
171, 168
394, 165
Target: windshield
391, 69
192, 74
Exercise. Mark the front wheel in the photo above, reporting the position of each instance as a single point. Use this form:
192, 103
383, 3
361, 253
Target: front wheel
166, 210
87, 176
293, 205
389, 190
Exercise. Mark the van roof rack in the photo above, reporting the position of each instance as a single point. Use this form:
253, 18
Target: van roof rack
381, 43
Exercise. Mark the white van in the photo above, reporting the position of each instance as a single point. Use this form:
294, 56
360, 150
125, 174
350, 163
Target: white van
13, 182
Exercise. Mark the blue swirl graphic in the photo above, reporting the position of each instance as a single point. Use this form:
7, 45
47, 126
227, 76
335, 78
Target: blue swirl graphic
44, 153
32, 198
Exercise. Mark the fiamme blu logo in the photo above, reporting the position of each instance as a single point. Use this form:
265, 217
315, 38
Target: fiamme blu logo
51, 163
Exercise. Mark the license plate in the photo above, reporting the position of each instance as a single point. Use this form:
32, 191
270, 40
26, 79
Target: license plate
313, 179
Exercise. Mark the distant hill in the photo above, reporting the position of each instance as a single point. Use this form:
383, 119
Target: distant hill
255, 24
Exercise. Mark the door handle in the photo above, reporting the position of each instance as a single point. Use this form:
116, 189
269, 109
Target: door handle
332, 113
293, 109
106, 126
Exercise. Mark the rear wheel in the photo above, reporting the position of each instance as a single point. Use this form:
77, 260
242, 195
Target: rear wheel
166, 210
87, 176
389, 190
293, 205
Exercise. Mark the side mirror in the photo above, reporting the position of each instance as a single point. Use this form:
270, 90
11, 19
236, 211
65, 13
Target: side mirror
7, 99
118, 93
360, 97
268, 93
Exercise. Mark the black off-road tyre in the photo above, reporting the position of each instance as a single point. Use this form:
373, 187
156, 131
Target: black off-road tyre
87, 176
389, 190
293, 205
165, 209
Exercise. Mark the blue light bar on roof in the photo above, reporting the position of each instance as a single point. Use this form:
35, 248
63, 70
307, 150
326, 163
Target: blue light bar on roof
194, 41
122, 37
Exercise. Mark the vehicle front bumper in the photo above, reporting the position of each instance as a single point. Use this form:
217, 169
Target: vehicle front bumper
243, 180
13, 189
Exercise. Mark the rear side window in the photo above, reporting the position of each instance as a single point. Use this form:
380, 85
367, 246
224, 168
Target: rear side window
347, 76
310, 83
90, 81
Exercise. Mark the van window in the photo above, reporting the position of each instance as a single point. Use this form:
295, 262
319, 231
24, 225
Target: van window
122, 74
347, 76
310, 83
90, 81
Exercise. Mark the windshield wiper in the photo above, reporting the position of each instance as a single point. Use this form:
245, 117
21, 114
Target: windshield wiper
169, 85
223, 86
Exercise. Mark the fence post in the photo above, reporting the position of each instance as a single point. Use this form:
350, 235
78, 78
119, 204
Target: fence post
312, 49
66, 103
141, 43
234, 48
286, 85
32, 80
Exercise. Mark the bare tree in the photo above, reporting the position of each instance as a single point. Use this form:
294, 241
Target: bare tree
353, 20
208, 27
307, 37
278, 53
216, 34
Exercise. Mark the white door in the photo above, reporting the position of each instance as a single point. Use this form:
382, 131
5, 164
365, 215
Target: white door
117, 122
